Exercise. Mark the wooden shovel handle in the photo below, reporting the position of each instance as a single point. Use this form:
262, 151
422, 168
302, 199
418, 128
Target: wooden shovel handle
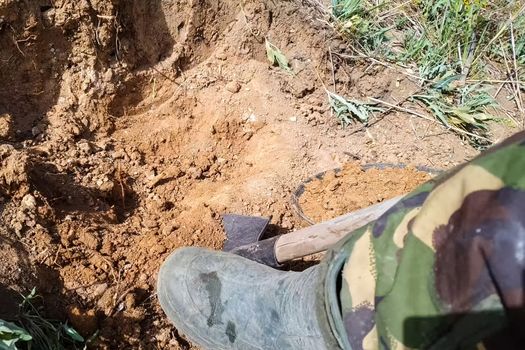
320, 237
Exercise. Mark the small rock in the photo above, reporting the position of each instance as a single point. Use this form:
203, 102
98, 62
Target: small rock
105, 303
6, 150
6, 122
129, 301
99, 289
221, 55
85, 146
75, 130
158, 249
104, 145
148, 223
286, 223
194, 172
17, 226
29, 202
48, 17
143, 277
252, 118
163, 335
120, 154
169, 228
106, 187
36, 131
88, 239
233, 87
135, 155
99, 262
293, 119
108, 75
85, 122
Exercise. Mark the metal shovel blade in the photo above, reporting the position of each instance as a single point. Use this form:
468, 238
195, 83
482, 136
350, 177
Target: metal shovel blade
242, 230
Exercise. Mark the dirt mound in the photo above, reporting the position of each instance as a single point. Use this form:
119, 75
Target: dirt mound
351, 188
128, 127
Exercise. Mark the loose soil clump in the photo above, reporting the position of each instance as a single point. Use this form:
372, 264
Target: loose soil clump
351, 188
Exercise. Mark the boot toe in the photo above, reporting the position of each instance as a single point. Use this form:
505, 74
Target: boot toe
182, 293
223, 301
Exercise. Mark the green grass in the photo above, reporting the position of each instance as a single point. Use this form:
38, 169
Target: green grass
449, 44
356, 19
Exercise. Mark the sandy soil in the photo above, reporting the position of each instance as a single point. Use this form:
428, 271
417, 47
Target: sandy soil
128, 127
351, 187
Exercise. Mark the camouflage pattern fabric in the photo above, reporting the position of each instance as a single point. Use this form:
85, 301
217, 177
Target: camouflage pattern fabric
445, 267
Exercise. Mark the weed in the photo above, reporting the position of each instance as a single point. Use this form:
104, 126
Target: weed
276, 57
464, 112
356, 20
349, 110
445, 41
11, 334
35, 331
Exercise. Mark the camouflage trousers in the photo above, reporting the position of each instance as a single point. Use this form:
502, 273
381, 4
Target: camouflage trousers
445, 267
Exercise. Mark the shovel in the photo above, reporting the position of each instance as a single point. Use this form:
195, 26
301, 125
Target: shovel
243, 235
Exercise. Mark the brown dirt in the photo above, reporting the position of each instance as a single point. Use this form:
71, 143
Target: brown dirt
352, 188
128, 127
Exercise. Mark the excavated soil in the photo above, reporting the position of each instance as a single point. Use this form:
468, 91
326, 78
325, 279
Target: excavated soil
351, 188
128, 127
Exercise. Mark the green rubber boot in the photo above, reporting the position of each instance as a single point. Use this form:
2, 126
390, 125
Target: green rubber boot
223, 301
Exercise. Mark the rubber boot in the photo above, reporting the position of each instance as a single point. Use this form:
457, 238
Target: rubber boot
223, 301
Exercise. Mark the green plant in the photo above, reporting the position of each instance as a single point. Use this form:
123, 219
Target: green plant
11, 334
466, 111
35, 331
356, 19
349, 110
276, 57
46, 334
